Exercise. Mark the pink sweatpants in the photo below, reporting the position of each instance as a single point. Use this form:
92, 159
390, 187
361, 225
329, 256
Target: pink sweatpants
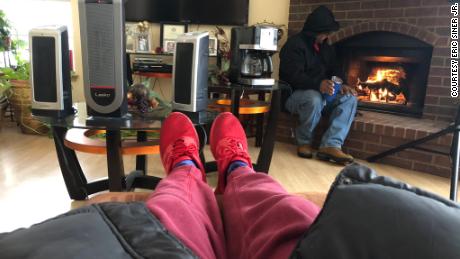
261, 219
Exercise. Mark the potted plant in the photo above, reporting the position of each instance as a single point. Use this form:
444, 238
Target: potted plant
5, 39
4, 89
14, 81
5, 44
20, 93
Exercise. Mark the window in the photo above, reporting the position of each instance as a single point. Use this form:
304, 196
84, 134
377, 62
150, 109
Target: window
25, 15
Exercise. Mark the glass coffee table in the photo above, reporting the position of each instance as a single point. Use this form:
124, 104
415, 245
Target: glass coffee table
78, 186
267, 145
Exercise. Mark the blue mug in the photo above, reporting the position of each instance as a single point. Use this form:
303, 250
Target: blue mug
337, 85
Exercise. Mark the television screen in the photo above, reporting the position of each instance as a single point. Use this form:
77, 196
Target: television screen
152, 10
219, 12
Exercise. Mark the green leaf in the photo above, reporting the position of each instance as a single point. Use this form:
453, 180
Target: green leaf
214, 80
225, 65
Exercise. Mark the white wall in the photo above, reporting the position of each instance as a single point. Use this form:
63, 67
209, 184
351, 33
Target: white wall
27, 14
77, 83
275, 11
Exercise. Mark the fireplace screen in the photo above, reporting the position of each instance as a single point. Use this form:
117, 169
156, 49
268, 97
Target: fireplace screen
387, 77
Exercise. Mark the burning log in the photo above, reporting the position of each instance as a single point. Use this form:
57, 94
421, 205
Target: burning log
384, 84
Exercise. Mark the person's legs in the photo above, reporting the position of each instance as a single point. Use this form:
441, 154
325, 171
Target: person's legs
187, 208
342, 114
308, 104
261, 219
182, 201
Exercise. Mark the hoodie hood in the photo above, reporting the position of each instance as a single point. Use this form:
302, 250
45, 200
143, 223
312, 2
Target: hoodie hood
321, 20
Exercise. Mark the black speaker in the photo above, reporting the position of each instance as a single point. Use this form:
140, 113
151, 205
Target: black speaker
50, 71
102, 30
190, 74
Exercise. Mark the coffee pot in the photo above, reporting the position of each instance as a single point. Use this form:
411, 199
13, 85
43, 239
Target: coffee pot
251, 60
267, 64
256, 64
252, 65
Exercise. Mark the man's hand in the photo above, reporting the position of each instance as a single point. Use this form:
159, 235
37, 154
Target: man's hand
327, 87
348, 90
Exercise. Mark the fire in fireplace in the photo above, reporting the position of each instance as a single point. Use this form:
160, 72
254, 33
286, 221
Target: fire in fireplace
388, 70
383, 85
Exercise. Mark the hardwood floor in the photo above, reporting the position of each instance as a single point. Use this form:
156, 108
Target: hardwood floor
32, 188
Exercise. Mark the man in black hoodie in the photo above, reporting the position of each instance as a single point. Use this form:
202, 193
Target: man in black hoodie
307, 63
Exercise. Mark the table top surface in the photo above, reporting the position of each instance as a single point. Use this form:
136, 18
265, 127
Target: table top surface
133, 121
276, 86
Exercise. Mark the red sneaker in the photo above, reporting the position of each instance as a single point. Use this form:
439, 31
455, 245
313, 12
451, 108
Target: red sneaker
228, 144
178, 142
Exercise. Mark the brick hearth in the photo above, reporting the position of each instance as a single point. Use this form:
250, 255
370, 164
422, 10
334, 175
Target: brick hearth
371, 133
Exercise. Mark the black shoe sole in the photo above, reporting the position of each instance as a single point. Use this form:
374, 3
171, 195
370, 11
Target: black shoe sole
302, 155
327, 157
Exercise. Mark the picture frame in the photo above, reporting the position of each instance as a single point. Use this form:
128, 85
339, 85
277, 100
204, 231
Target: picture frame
143, 43
168, 34
131, 38
137, 41
213, 45
169, 46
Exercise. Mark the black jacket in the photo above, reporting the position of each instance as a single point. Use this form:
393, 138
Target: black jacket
302, 67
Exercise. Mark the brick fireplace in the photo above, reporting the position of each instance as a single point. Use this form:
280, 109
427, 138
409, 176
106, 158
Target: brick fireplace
388, 70
424, 24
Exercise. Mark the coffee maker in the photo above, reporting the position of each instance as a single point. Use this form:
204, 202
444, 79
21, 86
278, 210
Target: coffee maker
251, 60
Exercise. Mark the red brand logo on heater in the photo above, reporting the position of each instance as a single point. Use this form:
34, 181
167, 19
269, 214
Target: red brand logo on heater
102, 86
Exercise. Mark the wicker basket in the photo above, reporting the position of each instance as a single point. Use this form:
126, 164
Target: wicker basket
21, 101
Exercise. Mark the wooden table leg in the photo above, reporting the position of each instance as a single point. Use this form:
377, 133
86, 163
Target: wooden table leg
260, 118
236, 94
114, 160
74, 178
202, 136
268, 143
141, 160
